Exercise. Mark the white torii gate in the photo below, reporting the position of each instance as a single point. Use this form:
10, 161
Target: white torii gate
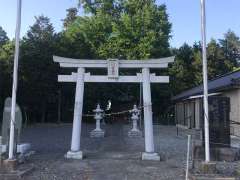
113, 77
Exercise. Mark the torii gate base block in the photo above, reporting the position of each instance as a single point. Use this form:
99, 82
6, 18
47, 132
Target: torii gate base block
74, 155
150, 156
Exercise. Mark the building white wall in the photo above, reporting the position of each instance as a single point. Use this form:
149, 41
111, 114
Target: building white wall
234, 96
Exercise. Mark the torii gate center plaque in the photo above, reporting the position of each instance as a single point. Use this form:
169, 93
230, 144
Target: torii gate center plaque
113, 68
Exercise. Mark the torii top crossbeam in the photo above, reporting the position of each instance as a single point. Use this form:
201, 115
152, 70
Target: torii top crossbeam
150, 63
113, 67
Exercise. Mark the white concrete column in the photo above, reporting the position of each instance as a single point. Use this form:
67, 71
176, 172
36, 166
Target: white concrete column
75, 152
148, 125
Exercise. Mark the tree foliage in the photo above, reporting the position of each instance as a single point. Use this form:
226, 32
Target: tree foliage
130, 29
6, 64
231, 47
38, 72
71, 17
187, 69
3, 37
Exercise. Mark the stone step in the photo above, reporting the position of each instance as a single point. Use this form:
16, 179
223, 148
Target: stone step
209, 177
113, 155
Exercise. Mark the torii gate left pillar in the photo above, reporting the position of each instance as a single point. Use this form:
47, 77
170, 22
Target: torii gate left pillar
145, 77
149, 153
75, 152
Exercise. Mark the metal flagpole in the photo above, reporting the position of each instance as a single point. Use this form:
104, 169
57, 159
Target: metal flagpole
15, 79
205, 80
140, 104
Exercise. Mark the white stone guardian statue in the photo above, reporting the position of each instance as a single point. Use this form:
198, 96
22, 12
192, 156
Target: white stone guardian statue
97, 132
135, 132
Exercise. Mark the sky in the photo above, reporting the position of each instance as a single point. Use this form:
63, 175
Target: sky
184, 15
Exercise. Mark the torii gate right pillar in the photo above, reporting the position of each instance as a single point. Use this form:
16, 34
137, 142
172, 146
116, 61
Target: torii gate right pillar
149, 153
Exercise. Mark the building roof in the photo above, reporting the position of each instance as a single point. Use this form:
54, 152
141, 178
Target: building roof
226, 81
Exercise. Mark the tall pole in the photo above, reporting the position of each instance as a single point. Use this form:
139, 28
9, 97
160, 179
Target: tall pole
205, 81
15, 79
140, 104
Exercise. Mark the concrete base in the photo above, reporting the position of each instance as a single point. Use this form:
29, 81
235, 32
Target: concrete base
150, 156
10, 164
208, 168
16, 174
134, 134
3, 148
218, 153
237, 171
74, 155
97, 134
21, 148
209, 177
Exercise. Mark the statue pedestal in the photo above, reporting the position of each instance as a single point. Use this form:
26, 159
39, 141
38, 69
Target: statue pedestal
150, 156
97, 133
21, 148
134, 134
74, 155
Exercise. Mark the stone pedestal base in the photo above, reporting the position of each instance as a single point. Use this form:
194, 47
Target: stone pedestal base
217, 153
21, 148
150, 156
14, 173
209, 177
207, 168
3, 148
10, 164
74, 155
97, 133
237, 171
134, 134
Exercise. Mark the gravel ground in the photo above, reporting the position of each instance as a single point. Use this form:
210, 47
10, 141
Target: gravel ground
115, 157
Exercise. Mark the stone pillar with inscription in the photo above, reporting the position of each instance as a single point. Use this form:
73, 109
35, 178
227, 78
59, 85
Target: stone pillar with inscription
19, 147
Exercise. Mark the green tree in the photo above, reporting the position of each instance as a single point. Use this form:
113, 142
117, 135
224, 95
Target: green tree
3, 36
89, 33
38, 85
6, 64
197, 64
142, 31
130, 29
231, 47
71, 17
218, 63
182, 71
111, 7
